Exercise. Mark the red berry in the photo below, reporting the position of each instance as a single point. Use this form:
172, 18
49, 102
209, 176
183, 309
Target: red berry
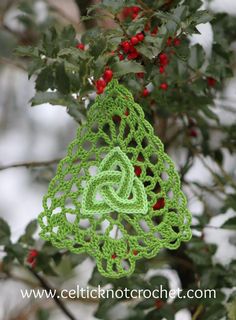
193, 133
176, 42
154, 31
114, 256
159, 204
145, 92
134, 40
140, 75
116, 118
121, 56
211, 82
159, 303
127, 113
101, 83
33, 253
31, 258
134, 16
169, 41
137, 170
80, 46
163, 59
126, 12
161, 69
135, 252
140, 158
163, 56
140, 36
135, 9
125, 45
147, 26
164, 86
132, 48
108, 74
133, 55
100, 90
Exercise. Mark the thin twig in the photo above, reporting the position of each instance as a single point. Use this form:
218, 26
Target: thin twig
57, 300
224, 173
11, 62
30, 164
15, 33
117, 20
197, 312
144, 6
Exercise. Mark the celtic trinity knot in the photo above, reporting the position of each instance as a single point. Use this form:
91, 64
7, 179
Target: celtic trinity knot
114, 188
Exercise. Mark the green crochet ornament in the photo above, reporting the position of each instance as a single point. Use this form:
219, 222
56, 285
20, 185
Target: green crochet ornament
116, 195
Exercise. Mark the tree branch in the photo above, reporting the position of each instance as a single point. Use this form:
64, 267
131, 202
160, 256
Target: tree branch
57, 300
11, 62
30, 164
117, 20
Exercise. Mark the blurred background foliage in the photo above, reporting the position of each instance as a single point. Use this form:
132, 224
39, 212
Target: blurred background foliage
182, 87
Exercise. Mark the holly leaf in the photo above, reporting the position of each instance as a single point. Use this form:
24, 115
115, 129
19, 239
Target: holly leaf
230, 224
16, 250
230, 202
75, 53
209, 113
62, 80
5, 232
97, 279
27, 51
55, 98
201, 16
30, 229
197, 56
43, 314
45, 79
121, 68
215, 312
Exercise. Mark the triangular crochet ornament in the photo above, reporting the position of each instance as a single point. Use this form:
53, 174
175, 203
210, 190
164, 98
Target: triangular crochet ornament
116, 195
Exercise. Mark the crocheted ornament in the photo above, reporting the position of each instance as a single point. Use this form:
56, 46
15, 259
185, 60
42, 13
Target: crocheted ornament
116, 195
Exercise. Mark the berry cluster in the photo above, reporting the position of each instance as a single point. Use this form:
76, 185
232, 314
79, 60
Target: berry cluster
127, 47
152, 31
102, 82
32, 258
130, 12
170, 41
163, 59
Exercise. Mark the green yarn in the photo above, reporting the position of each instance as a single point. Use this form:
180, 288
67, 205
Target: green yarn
116, 195
107, 179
